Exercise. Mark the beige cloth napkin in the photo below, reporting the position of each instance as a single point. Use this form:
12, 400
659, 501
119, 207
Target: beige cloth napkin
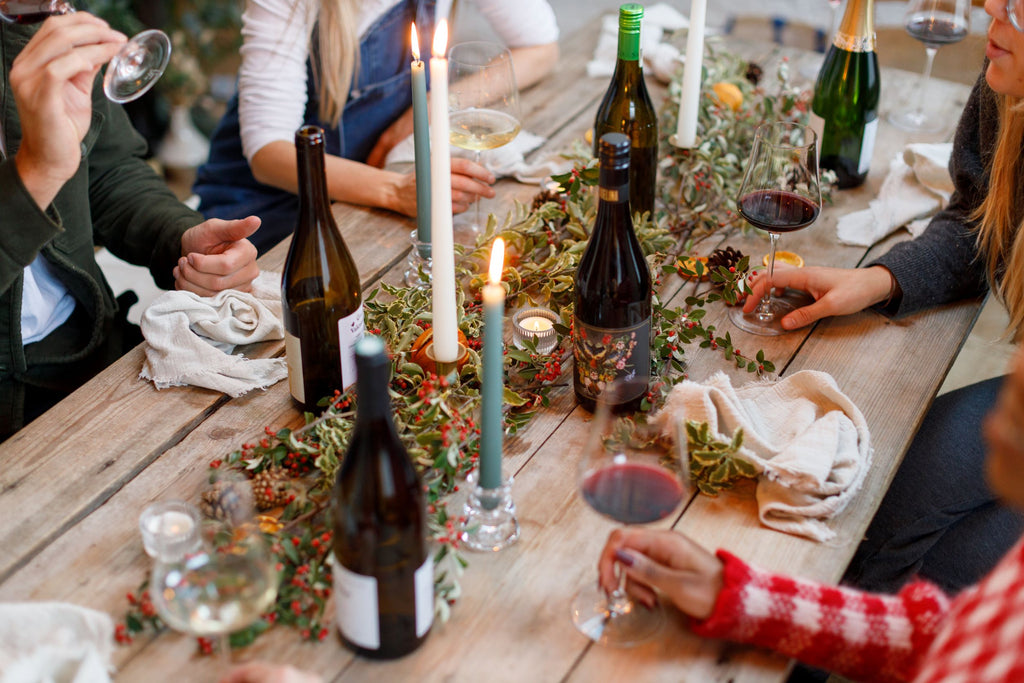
189, 338
918, 185
507, 161
661, 57
808, 441
44, 642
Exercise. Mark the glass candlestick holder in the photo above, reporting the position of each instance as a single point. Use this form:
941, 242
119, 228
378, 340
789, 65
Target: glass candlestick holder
535, 323
417, 274
490, 514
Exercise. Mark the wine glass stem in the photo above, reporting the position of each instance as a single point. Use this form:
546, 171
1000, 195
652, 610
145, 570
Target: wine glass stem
618, 600
926, 76
479, 200
224, 651
764, 309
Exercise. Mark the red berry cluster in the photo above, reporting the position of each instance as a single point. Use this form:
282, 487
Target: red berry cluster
551, 371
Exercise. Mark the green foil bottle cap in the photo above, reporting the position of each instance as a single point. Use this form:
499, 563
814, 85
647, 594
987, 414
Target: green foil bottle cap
631, 16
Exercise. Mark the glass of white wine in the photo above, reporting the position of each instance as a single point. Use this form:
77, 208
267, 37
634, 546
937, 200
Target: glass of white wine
224, 582
483, 100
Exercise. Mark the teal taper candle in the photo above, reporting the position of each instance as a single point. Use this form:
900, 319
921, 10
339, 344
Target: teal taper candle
491, 429
421, 137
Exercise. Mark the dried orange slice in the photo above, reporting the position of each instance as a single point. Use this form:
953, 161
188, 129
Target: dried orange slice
690, 263
589, 136
790, 258
729, 94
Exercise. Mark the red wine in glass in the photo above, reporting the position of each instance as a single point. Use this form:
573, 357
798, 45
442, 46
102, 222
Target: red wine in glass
633, 493
130, 73
778, 210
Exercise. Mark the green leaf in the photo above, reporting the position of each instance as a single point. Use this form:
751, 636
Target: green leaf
511, 398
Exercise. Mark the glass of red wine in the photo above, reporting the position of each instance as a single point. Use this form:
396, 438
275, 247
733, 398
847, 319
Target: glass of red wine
628, 476
935, 23
780, 193
130, 73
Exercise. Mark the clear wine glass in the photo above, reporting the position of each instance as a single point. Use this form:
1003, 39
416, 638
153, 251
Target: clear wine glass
779, 193
225, 580
483, 100
130, 73
935, 23
626, 475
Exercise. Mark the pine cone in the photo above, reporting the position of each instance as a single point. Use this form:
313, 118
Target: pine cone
544, 197
271, 487
754, 73
727, 257
229, 501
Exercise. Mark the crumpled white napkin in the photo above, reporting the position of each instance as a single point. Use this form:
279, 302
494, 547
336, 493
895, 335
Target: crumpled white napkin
917, 186
53, 642
661, 57
808, 441
505, 161
189, 338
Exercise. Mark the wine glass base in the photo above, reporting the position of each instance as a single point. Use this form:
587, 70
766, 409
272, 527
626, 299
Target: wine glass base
762, 325
137, 67
593, 618
914, 122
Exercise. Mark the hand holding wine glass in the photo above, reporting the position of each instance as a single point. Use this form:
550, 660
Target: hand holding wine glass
483, 100
780, 193
935, 23
624, 475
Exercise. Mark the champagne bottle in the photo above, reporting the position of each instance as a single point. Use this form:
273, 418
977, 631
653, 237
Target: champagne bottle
323, 310
626, 108
612, 326
844, 112
383, 574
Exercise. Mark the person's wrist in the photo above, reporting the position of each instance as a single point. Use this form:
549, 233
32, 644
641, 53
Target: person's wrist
885, 287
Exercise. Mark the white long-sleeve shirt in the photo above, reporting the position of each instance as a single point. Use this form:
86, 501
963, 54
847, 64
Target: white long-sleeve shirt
272, 79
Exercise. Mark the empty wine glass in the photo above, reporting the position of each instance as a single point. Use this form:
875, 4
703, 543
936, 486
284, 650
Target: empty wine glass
935, 23
626, 475
780, 193
130, 73
223, 581
483, 100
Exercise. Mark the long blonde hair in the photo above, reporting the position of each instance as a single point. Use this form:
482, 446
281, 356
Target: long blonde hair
338, 45
1000, 224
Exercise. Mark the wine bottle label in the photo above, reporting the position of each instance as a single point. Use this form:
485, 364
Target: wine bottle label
613, 194
356, 603
867, 145
817, 124
603, 355
350, 331
293, 356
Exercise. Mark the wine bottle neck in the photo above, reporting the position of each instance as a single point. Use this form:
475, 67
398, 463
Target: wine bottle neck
374, 399
312, 176
613, 186
857, 29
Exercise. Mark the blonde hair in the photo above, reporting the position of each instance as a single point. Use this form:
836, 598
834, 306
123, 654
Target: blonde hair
1000, 229
338, 45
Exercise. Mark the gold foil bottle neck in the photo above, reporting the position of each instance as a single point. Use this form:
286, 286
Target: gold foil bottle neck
857, 29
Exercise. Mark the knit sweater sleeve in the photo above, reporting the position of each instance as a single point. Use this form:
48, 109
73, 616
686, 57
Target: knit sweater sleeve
861, 635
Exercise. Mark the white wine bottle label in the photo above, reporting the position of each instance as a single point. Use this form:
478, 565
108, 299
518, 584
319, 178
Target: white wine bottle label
867, 145
350, 331
355, 600
424, 581
293, 356
817, 124
602, 355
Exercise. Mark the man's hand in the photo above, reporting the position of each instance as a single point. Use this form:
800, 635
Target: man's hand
216, 255
52, 81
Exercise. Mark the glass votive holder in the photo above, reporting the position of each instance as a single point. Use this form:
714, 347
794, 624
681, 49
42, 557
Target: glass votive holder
417, 273
537, 324
170, 528
491, 522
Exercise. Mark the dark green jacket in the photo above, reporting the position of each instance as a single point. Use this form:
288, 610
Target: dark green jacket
114, 200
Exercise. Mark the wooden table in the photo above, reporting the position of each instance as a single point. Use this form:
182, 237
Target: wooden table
74, 481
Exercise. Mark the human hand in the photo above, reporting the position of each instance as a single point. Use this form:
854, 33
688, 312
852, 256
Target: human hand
686, 573
216, 255
1004, 435
470, 181
836, 291
52, 80
392, 135
265, 672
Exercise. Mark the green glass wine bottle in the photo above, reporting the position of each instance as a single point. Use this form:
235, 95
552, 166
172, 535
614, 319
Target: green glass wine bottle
844, 111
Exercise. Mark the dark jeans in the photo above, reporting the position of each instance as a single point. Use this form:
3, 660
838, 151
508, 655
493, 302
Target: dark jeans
939, 520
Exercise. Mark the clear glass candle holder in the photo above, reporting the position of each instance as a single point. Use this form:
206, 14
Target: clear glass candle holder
491, 522
535, 323
417, 273
170, 528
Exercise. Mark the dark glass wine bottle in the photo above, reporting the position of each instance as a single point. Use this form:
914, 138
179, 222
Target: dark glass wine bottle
383, 574
612, 326
627, 109
844, 112
323, 309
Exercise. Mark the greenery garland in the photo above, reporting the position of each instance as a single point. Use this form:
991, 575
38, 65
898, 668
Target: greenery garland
435, 415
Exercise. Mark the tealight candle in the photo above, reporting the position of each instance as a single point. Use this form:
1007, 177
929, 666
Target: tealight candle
169, 528
537, 324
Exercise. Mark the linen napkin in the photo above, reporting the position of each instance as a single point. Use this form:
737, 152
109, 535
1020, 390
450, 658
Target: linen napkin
808, 441
44, 642
190, 338
662, 57
918, 185
507, 161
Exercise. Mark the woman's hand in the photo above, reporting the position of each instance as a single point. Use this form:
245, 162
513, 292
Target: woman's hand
470, 181
399, 130
265, 672
836, 291
216, 255
686, 573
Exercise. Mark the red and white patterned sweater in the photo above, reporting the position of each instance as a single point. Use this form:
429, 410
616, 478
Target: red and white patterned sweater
917, 635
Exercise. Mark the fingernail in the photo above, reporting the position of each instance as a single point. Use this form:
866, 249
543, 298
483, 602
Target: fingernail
624, 558
788, 324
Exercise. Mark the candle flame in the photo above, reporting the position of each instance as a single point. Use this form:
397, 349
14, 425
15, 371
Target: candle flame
441, 38
415, 42
497, 260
